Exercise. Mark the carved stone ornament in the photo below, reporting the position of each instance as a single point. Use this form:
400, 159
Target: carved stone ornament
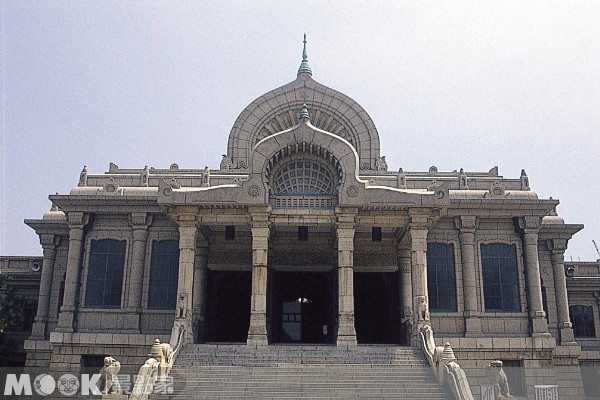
422, 309
381, 164
111, 187
352, 191
365, 166
174, 184
167, 191
497, 378
254, 190
242, 164
109, 376
497, 190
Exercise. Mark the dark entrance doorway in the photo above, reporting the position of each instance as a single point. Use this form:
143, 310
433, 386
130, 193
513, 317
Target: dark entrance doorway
302, 307
228, 306
377, 307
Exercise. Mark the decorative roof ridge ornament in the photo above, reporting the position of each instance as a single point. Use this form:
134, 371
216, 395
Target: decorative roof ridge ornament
304, 67
304, 116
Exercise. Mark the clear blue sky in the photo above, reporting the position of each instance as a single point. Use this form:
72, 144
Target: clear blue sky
452, 84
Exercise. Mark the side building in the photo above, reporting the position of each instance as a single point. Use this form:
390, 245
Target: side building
302, 235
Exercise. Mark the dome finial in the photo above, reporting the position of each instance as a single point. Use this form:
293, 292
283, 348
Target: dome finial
304, 113
304, 67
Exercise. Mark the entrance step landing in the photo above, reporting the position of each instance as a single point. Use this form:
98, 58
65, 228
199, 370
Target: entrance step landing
241, 354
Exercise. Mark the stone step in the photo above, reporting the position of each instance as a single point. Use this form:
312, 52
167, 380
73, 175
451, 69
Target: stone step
225, 371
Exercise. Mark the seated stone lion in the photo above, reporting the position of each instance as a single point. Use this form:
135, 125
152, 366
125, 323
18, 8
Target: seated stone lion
109, 377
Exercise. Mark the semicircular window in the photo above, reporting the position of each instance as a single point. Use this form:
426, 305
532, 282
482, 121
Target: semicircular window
303, 178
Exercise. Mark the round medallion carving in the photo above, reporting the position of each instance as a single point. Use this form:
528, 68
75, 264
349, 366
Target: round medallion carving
440, 194
167, 191
352, 191
365, 165
254, 190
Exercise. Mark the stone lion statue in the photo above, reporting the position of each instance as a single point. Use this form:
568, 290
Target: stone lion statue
422, 309
497, 379
109, 376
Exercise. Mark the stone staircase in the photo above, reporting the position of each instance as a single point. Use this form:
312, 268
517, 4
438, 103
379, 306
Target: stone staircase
226, 371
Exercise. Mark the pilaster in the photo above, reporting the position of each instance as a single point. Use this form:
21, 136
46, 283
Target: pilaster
49, 243
530, 226
199, 296
467, 224
260, 227
557, 248
406, 297
139, 223
77, 222
417, 234
188, 234
346, 332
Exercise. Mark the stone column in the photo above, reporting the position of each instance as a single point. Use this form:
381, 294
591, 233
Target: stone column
66, 319
530, 226
140, 223
49, 243
558, 247
405, 267
257, 332
199, 295
188, 233
346, 332
418, 247
466, 226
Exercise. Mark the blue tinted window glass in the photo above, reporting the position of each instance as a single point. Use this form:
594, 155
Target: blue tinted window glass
441, 277
500, 277
164, 273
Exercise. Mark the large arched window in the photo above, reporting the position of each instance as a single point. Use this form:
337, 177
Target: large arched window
303, 177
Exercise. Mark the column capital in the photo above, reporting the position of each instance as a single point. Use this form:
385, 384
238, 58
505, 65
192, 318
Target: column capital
530, 223
188, 234
140, 220
557, 246
466, 223
345, 217
419, 217
77, 219
49, 241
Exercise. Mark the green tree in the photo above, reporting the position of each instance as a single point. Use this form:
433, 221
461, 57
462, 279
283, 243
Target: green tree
9, 312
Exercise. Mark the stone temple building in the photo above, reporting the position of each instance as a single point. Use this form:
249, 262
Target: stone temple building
303, 236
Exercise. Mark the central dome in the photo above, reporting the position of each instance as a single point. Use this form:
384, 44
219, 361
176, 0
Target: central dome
277, 111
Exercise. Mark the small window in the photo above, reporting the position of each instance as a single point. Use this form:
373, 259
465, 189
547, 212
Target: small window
164, 273
105, 274
92, 361
376, 234
582, 318
441, 277
303, 233
230, 232
500, 277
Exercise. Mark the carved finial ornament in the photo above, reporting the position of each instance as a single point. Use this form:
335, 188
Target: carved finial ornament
304, 67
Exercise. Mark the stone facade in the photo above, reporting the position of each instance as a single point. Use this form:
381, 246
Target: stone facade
302, 235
